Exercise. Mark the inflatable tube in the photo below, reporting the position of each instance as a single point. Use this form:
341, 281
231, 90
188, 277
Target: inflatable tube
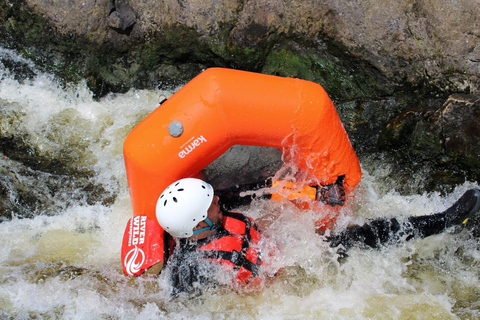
220, 108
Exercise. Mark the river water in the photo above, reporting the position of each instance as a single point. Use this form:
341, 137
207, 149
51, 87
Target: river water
62, 259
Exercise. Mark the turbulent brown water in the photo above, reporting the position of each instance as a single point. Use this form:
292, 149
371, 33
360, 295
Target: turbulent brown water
62, 259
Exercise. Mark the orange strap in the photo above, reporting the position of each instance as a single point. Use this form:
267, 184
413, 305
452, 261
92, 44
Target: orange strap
293, 192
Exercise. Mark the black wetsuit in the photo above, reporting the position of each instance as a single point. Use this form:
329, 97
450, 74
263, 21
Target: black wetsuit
186, 272
194, 262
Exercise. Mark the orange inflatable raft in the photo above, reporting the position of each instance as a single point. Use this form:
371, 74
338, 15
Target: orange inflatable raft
222, 107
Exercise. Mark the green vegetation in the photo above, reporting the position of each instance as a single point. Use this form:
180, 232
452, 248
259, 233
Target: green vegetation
343, 80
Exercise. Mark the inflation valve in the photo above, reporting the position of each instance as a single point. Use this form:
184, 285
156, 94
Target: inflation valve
175, 128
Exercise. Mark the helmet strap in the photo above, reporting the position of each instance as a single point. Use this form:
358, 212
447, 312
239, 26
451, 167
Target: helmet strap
211, 226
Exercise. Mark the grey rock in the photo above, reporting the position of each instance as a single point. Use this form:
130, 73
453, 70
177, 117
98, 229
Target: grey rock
435, 41
121, 15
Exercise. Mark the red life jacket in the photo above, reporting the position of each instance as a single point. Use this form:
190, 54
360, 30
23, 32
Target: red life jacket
236, 247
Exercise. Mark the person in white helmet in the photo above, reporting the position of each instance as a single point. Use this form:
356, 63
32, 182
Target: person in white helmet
190, 211
209, 236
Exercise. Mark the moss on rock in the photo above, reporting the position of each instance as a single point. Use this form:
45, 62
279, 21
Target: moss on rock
342, 79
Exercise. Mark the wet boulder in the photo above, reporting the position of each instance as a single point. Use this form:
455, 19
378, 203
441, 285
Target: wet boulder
445, 135
121, 16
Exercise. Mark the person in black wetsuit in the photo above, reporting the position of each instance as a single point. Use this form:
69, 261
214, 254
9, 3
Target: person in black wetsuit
377, 232
208, 235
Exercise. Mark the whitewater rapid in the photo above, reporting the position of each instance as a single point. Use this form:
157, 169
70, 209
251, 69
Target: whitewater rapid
65, 262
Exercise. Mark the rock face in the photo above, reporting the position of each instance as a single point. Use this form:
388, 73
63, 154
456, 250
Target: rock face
447, 136
405, 75
458, 120
434, 42
451, 130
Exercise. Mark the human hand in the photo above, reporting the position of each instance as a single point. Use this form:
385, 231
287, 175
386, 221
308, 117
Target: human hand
332, 194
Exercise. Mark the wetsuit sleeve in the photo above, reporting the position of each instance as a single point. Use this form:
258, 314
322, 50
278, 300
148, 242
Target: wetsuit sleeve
372, 234
230, 198
378, 232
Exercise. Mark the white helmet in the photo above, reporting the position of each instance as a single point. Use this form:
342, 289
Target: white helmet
182, 205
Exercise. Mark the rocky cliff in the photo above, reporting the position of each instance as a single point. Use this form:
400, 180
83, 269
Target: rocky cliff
404, 74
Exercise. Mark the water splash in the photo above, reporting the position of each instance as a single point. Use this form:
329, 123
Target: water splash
65, 263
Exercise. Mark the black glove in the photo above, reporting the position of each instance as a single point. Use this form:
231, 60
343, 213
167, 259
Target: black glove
332, 194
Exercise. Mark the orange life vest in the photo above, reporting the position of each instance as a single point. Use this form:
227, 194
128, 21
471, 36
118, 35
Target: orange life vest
236, 246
